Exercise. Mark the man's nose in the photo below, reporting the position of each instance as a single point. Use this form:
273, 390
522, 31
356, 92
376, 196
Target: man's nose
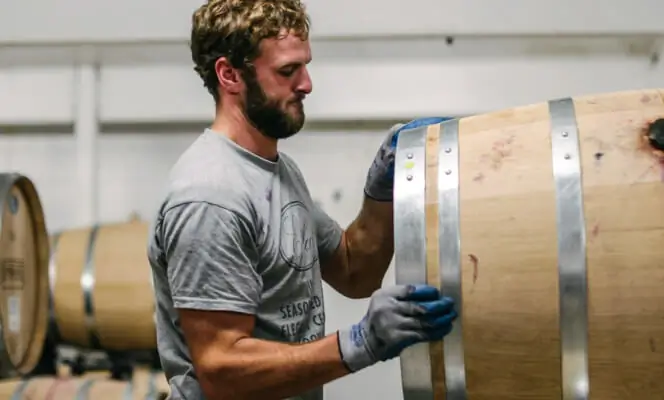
305, 85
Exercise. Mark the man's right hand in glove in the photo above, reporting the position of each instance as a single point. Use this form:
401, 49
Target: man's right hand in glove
232, 364
398, 317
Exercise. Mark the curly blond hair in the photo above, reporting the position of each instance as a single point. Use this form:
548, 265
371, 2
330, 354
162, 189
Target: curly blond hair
235, 28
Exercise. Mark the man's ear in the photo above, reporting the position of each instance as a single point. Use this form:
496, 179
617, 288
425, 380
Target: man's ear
229, 78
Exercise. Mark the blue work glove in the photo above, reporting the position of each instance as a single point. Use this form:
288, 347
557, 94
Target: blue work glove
398, 317
380, 178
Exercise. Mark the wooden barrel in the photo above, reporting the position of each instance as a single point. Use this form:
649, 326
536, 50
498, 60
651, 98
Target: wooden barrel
24, 251
147, 385
152, 382
546, 224
101, 287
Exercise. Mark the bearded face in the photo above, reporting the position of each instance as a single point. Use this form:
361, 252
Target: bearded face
276, 118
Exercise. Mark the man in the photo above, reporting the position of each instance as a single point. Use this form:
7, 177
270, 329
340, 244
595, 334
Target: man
239, 250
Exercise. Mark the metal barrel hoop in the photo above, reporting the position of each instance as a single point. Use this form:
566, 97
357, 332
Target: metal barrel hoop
570, 219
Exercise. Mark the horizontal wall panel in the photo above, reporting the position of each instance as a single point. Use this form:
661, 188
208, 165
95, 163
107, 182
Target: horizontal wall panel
50, 21
133, 172
36, 96
484, 17
380, 89
350, 49
50, 162
403, 89
150, 93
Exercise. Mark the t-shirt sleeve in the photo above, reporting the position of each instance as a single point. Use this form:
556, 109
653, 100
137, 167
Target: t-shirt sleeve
328, 232
211, 259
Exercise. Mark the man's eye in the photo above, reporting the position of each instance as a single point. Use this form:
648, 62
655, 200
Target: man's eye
287, 71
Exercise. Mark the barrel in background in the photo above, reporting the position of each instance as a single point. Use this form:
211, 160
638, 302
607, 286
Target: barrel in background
102, 287
546, 223
97, 385
24, 252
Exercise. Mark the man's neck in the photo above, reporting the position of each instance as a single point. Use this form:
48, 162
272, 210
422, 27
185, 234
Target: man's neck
235, 126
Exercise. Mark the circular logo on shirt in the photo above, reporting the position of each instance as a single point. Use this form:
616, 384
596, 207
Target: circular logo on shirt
298, 242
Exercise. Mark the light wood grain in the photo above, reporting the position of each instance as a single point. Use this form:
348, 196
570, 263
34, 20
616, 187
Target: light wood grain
123, 297
102, 387
23, 278
509, 250
432, 246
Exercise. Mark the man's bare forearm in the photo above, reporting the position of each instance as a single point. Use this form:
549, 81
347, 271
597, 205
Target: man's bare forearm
370, 246
255, 369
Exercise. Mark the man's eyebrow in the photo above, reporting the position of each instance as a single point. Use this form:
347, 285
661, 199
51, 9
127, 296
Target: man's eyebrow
295, 63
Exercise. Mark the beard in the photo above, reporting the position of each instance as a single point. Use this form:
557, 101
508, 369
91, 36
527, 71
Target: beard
267, 116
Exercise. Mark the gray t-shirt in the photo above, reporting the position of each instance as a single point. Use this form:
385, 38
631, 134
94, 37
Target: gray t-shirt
240, 233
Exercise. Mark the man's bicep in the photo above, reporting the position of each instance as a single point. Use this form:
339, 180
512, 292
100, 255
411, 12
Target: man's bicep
332, 252
211, 258
328, 233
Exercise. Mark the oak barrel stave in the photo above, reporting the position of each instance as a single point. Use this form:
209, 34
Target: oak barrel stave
24, 250
98, 385
508, 237
102, 288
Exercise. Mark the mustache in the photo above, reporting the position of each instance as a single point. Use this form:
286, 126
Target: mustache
299, 98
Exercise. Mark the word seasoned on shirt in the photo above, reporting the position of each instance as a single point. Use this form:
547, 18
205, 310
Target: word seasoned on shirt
300, 308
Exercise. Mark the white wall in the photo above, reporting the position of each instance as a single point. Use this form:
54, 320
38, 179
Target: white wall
376, 78
98, 97
148, 20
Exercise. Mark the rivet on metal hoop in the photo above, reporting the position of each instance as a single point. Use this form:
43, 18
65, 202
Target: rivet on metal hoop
565, 134
449, 171
567, 156
409, 177
448, 150
410, 156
